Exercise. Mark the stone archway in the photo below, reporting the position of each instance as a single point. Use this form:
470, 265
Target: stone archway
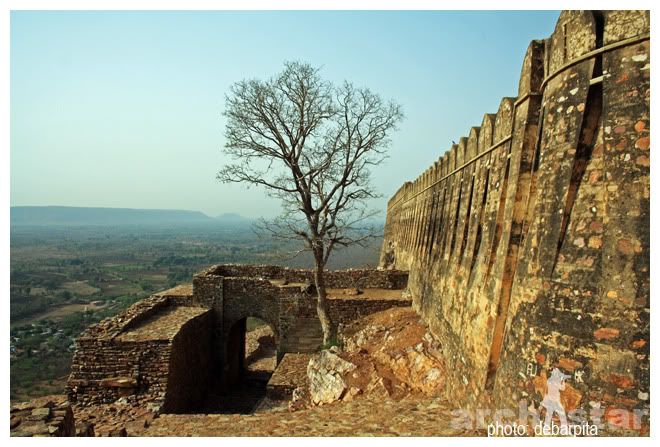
235, 348
241, 389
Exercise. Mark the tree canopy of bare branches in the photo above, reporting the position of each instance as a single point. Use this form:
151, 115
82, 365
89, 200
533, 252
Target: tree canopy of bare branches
310, 144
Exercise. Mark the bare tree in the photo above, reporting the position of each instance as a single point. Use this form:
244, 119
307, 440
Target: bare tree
310, 144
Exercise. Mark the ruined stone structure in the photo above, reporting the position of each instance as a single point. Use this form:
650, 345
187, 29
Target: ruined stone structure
175, 346
44, 417
528, 241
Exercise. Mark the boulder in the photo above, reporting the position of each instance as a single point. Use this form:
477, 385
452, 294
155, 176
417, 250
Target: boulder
325, 372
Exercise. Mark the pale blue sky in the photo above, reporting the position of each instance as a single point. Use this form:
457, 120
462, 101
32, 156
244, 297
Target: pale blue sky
123, 109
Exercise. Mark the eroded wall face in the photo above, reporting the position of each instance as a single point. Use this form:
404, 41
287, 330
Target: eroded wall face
191, 369
528, 242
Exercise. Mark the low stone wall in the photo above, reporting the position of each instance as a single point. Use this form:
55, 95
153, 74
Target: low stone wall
301, 331
362, 278
346, 310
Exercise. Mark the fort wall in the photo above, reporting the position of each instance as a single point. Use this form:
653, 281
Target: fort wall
528, 242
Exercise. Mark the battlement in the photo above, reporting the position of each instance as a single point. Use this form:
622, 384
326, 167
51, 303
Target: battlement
528, 241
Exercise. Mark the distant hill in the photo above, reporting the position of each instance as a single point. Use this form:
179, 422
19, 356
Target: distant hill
67, 215
233, 219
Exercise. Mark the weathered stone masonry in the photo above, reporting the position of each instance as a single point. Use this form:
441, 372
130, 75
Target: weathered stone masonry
143, 350
528, 241
281, 297
173, 347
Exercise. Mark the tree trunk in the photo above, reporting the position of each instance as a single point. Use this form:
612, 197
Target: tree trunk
329, 327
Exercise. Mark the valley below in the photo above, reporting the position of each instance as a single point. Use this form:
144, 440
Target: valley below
64, 278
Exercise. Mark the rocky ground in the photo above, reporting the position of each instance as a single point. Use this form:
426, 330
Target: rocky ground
412, 416
45, 416
260, 349
394, 356
386, 381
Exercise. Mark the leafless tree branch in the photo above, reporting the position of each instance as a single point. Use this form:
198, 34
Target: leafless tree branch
311, 145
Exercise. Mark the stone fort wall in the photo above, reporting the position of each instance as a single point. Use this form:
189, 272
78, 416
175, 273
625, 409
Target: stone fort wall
528, 241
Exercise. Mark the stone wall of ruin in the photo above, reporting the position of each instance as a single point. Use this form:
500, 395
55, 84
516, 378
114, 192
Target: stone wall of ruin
279, 296
103, 370
363, 278
528, 241
191, 367
173, 361
106, 366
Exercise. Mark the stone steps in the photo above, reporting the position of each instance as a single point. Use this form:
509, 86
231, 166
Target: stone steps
306, 336
306, 343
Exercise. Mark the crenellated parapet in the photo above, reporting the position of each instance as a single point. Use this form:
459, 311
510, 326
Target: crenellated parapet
528, 241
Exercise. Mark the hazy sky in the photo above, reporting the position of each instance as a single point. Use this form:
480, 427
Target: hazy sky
123, 109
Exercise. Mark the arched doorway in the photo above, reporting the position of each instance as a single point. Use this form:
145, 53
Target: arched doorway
250, 353
260, 347
251, 349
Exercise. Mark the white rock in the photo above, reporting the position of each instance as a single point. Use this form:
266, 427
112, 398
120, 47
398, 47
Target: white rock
324, 372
